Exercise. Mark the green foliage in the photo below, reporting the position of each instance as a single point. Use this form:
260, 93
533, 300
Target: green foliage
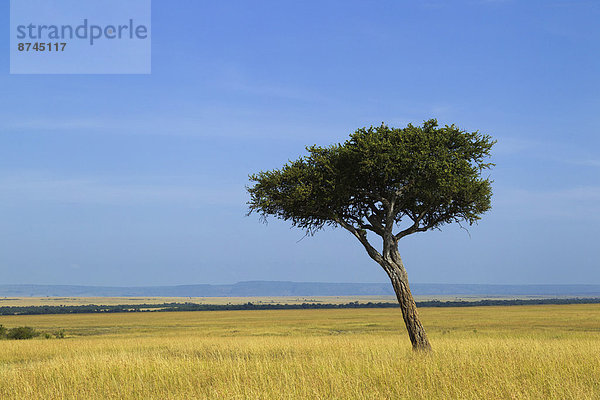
426, 175
21, 332
26, 332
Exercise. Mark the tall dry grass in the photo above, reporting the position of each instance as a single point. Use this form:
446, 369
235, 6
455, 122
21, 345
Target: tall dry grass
547, 352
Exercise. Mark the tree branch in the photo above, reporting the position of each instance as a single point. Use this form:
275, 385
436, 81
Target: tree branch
388, 234
415, 226
376, 224
361, 224
362, 238
374, 209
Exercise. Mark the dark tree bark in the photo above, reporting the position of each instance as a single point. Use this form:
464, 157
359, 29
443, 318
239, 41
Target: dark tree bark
415, 329
394, 267
391, 262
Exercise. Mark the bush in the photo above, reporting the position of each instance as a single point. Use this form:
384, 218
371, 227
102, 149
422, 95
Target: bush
21, 332
2, 332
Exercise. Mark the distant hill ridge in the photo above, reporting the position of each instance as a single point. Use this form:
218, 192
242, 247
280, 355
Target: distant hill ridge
277, 288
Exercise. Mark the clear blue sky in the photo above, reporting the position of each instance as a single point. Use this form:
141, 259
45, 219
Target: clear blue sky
139, 180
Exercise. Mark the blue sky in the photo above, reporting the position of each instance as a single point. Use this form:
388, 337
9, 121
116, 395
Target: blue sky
139, 179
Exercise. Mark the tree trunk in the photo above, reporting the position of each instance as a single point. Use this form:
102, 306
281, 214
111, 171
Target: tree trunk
391, 262
399, 279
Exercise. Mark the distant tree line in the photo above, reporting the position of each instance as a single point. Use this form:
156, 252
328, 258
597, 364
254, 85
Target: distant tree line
92, 308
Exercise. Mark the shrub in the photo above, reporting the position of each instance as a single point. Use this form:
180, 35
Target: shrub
22, 332
2, 332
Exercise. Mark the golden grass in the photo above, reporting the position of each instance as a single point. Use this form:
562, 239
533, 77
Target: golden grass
519, 352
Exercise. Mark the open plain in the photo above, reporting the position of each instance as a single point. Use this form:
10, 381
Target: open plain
515, 352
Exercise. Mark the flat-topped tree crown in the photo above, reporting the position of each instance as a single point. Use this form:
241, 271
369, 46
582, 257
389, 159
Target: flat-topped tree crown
431, 176
388, 181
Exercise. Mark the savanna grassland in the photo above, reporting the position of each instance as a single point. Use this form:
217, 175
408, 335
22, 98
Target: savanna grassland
516, 352
78, 301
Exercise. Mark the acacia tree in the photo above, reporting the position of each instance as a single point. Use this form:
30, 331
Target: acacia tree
383, 183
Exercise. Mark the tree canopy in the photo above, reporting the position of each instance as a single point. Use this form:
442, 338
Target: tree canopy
417, 178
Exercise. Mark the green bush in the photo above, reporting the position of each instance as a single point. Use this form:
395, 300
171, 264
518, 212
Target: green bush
22, 332
27, 332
